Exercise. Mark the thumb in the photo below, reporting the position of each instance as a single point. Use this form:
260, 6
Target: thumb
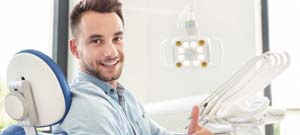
195, 116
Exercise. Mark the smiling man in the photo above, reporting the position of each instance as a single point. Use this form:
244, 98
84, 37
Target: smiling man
99, 46
101, 105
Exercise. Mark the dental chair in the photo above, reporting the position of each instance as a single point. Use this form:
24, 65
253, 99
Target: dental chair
39, 95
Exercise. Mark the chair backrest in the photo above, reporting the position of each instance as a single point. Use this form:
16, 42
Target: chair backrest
39, 93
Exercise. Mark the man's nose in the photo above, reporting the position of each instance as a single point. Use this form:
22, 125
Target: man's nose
110, 50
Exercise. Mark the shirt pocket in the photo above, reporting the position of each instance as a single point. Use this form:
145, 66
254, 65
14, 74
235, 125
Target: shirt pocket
143, 125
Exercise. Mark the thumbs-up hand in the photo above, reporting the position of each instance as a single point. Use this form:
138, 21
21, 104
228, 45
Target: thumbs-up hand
195, 128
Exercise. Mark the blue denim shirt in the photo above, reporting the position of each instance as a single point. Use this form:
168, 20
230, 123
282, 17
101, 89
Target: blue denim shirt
97, 110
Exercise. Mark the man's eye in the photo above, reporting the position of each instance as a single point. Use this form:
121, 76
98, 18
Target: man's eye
118, 39
96, 41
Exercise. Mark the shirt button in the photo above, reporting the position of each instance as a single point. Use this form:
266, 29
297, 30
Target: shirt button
112, 90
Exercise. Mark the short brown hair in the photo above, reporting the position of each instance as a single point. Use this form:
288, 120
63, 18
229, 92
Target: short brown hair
100, 6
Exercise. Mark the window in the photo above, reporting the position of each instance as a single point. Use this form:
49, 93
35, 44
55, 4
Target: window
23, 25
284, 28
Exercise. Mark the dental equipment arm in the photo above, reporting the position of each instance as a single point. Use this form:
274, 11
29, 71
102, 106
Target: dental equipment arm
234, 102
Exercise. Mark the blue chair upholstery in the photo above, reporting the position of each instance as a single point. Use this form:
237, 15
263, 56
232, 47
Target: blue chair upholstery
13, 130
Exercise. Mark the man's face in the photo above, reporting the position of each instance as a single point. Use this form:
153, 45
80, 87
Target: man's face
99, 45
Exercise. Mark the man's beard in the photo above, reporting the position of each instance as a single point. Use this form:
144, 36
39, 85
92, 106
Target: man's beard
96, 73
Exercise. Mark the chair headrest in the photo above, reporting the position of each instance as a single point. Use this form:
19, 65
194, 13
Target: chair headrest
50, 93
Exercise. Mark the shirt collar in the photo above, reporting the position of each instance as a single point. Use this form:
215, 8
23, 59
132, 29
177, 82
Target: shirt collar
103, 85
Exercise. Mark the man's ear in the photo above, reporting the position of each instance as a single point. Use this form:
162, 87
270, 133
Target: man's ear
73, 48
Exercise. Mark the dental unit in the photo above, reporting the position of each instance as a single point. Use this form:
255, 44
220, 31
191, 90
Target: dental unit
236, 102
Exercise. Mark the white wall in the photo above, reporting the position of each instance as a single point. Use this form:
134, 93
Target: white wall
148, 22
284, 35
22, 27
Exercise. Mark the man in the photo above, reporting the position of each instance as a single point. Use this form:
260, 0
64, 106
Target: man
100, 104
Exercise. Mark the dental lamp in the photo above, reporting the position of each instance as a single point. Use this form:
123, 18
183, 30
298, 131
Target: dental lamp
39, 94
191, 50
